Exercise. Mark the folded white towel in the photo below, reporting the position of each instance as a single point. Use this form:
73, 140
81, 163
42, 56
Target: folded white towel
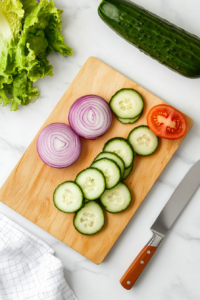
28, 269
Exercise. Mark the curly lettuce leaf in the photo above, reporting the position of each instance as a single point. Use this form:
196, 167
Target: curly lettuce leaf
23, 91
29, 5
26, 58
42, 35
4, 99
47, 17
11, 14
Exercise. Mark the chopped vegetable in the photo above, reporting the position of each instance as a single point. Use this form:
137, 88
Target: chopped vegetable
128, 171
129, 121
117, 199
167, 122
92, 183
143, 140
110, 170
114, 157
68, 197
90, 116
122, 148
58, 145
127, 104
90, 219
29, 31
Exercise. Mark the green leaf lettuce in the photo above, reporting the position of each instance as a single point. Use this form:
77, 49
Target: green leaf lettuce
27, 41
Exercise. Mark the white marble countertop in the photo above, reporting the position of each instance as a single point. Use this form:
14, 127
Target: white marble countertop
173, 273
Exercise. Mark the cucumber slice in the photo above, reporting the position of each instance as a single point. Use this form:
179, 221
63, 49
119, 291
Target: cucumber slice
116, 199
92, 183
90, 219
110, 170
143, 140
127, 172
128, 121
114, 157
127, 104
122, 148
68, 197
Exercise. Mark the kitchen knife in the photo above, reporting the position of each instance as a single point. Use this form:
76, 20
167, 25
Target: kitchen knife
163, 223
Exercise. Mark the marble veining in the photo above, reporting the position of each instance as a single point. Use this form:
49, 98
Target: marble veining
173, 272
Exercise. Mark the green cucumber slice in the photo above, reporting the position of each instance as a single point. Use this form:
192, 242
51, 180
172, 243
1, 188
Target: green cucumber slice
127, 172
143, 140
117, 199
122, 148
92, 183
90, 219
127, 104
68, 197
129, 121
110, 170
114, 157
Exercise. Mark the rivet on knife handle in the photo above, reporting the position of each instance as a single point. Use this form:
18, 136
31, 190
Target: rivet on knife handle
140, 262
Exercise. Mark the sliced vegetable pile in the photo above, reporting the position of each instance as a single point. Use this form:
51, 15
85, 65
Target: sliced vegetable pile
103, 181
59, 145
29, 31
127, 105
90, 116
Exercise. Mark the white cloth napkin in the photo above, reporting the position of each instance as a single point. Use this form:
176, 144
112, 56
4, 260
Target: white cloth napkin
28, 268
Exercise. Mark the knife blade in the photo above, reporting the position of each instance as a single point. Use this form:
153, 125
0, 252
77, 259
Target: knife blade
163, 223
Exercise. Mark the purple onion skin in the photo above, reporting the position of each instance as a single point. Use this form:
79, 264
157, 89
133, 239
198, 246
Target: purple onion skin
58, 145
90, 116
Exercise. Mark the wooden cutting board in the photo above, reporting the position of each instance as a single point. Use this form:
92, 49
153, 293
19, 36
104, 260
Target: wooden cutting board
29, 188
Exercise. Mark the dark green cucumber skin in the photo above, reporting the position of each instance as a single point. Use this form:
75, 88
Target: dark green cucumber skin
130, 122
124, 178
170, 45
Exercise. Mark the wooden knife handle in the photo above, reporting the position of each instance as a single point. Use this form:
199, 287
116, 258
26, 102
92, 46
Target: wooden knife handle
140, 262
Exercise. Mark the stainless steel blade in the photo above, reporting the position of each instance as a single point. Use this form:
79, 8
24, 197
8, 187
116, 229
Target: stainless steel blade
178, 201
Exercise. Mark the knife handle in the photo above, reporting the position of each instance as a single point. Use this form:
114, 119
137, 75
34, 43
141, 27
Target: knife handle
140, 262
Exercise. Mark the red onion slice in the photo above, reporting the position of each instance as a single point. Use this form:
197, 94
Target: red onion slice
90, 116
58, 145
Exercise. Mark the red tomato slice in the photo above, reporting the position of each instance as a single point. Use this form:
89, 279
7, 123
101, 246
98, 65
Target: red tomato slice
167, 122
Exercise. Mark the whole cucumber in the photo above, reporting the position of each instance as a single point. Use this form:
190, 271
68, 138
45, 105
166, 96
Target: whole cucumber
170, 45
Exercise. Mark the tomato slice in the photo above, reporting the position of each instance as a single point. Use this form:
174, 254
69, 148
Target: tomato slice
167, 122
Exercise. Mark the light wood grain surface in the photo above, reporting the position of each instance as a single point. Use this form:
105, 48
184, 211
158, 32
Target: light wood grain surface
29, 188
